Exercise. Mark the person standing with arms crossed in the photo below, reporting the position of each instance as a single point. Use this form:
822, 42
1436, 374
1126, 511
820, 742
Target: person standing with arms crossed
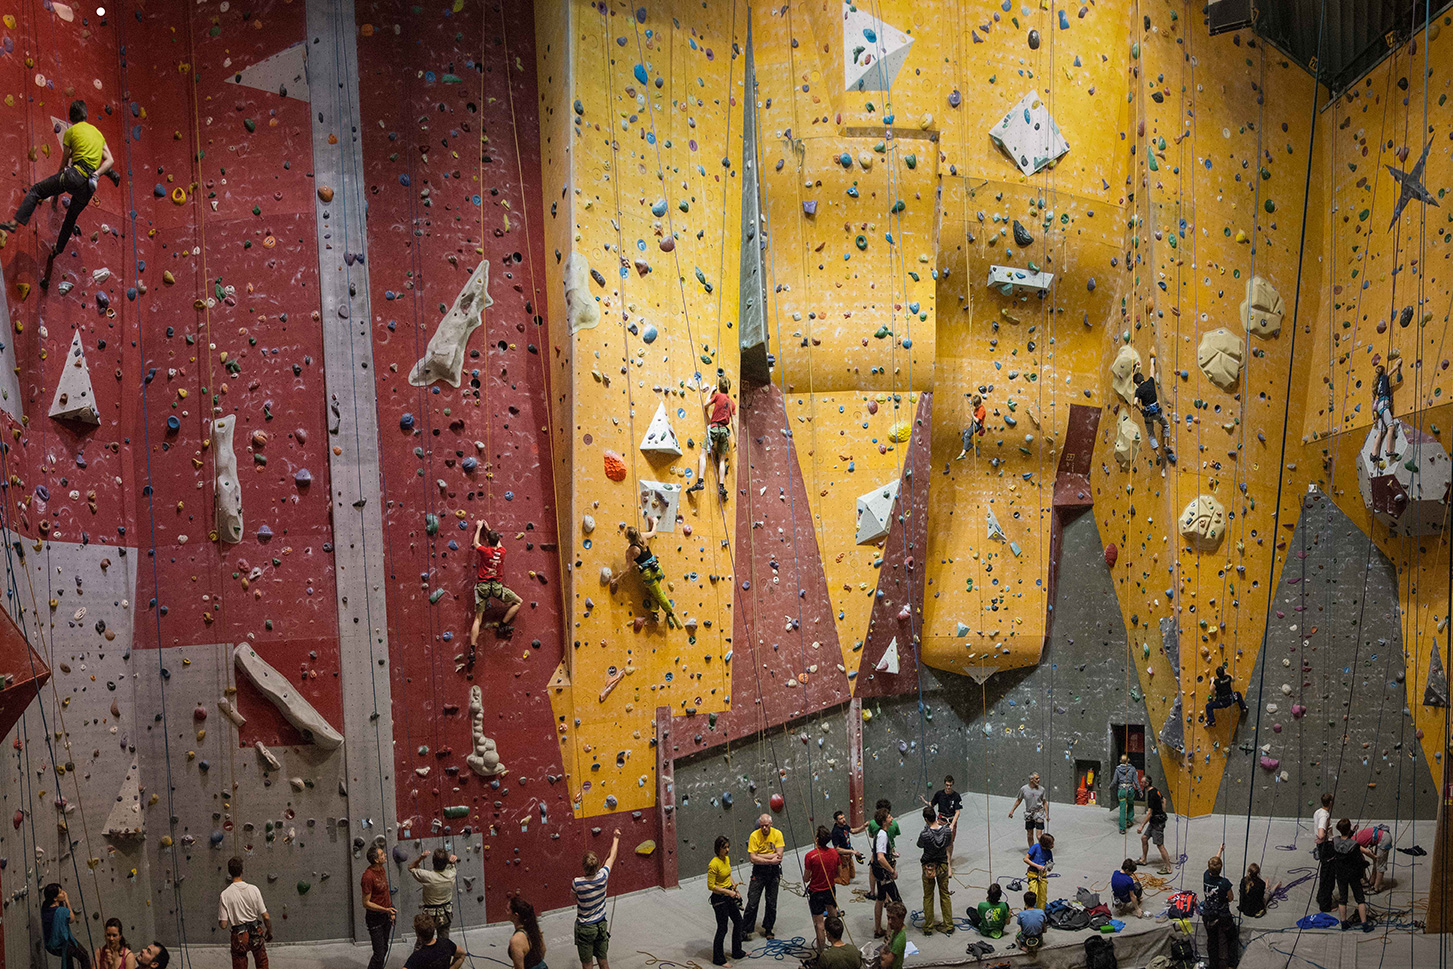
1036, 809
242, 912
592, 935
378, 910
765, 847
949, 805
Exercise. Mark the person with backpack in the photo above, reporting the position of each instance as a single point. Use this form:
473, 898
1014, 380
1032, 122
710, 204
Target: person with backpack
1222, 938
1350, 863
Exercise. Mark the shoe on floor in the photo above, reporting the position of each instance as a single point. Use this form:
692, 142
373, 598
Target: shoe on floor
767, 935
928, 930
1165, 871
1368, 925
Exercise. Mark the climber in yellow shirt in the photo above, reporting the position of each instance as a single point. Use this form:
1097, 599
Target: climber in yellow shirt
84, 159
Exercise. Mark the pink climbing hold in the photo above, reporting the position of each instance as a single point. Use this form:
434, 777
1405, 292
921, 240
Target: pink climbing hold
1111, 554
872, 407
199, 714
1270, 764
1297, 711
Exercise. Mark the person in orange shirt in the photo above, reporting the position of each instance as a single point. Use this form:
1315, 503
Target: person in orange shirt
975, 429
720, 409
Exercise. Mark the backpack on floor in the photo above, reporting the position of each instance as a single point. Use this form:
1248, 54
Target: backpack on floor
1100, 953
1183, 951
1183, 905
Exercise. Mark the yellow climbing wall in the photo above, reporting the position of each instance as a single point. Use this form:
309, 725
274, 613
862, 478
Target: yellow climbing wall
1219, 189
652, 108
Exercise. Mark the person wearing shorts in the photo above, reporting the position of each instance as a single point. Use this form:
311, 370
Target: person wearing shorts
488, 584
1377, 840
720, 409
592, 934
819, 871
1382, 409
1155, 818
1036, 809
883, 870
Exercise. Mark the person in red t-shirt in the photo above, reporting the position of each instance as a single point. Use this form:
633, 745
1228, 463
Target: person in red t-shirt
975, 429
819, 870
379, 911
720, 409
487, 583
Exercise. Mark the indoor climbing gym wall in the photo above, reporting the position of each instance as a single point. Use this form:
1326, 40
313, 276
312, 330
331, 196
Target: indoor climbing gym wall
377, 276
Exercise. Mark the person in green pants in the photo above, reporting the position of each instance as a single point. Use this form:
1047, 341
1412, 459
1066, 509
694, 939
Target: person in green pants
1126, 784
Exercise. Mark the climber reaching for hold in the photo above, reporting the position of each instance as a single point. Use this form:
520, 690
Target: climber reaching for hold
975, 429
84, 159
1223, 695
1382, 410
720, 409
488, 584
638, 548
1149, 403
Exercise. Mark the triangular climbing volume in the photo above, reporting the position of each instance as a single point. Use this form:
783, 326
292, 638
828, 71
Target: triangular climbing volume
873, 51
660, 437
74, 400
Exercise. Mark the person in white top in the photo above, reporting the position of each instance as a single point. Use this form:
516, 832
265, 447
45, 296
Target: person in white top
1326, 855
242, 911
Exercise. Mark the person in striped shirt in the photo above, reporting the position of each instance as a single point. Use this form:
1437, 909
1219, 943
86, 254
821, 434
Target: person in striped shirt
592, 934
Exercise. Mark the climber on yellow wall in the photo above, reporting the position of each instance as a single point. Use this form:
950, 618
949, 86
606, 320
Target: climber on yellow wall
638, 549
1382, 410
1149, 404
720, 409
975, 429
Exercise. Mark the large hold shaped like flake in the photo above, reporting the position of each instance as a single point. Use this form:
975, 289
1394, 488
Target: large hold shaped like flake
875, 513
889, 662
873, 52
1006, 279
74, 399
660, 438
1219, 357
1262, 309
291, 704
1127, 440
581, 310
229, 487
994, 529
285, 73
1029, 135
484, 759
125, 819
444, 357
1203, 523
1435, 693
659, 500
1122, 373
1409, 494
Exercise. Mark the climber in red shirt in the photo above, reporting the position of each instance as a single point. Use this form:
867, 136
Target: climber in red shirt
720, 409
488, 585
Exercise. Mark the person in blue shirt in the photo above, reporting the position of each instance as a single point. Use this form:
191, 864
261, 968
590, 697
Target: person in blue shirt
1031, 924
1039, 860
55, 926
1126, 890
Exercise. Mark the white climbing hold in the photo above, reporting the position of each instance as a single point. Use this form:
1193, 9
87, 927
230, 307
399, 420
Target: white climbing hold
889, 662
126, 819
1007, 278
581, 310
994, 529
875, 513
1262, 309
230, 711
1203, 523
660, 439
484, 761
443, 359
74, 399
285, 73
1219, 357
1122, 373
267, 756
291, 704
1127, 440
229, 486
1029, 135
659, 501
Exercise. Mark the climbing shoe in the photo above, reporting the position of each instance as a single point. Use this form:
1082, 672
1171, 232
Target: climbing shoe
10, 226
699, 486
504, 630
721, 490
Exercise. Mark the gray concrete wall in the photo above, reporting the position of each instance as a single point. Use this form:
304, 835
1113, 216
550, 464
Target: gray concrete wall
814, 786
1334, 642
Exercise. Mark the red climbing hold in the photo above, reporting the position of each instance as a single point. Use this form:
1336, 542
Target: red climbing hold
615, 466
777, 803
1111, 554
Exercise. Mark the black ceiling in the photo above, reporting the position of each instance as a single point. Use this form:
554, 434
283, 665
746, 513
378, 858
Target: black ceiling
1353, 38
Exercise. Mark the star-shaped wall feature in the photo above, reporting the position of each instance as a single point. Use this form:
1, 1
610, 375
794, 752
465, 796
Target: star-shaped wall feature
1412, 186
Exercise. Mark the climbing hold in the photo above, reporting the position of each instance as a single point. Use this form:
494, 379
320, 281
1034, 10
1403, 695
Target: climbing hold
1203, 523
581, 310
1111, 554
615, 466
1034, 40
1021, 235
228, 487
443, 359
1219, 357
777, 803
1262, 309
1122, 373
1029, 135
74, 399
292, 705
484, 759
646, 848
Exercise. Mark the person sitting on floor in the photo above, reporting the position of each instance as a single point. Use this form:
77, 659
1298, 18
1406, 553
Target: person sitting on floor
1254, 894
1126, 890
1031, 924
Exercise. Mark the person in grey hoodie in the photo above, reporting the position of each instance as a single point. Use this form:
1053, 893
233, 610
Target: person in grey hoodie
935, 839
1349, 865
1126, 785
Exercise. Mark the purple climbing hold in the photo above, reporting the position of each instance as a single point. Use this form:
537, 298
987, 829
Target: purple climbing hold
264, 533
406, 422
303, 478
809, 207
469, 464
955, 98
401, 854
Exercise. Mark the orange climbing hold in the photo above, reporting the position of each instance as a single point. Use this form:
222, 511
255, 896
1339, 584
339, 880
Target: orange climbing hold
615, 466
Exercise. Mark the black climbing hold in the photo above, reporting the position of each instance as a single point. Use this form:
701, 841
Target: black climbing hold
1034, 40
1021, 234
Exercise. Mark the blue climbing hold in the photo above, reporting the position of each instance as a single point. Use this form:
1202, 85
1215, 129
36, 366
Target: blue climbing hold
406, 422
649, 334
216, 838
641, 74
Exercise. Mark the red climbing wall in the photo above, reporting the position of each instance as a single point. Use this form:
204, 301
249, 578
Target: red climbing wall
451, 166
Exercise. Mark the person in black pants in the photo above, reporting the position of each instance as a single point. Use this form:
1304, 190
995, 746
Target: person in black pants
1149, 403
1326, 854
765, 847
1223, 941
378, 910
1222, 696
726, 903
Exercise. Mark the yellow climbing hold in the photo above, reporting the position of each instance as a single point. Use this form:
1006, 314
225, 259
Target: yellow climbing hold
901, 432
179, 196
646, 848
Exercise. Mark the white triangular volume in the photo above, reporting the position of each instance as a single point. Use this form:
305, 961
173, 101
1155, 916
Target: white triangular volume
994, 530
660, 438
889, 662
285, 72
1029, 135
660, 501
875, 512
74, 400
125, 819
873, 51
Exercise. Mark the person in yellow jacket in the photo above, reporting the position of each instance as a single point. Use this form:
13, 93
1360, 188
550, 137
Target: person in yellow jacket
84, 159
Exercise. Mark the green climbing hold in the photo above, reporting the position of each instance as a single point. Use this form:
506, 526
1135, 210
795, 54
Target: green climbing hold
1270, 205
898, 206
456, 811
431, 524
861, 242
435, 596
701, 278
911, 160
249, 124
304, 887
882, 332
